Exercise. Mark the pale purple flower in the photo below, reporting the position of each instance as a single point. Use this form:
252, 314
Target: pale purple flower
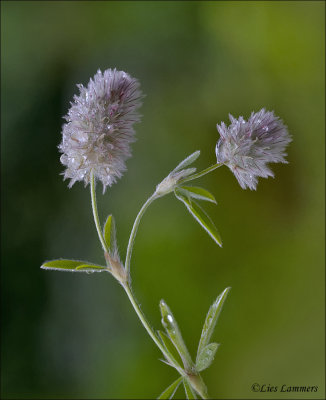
246, 147
99, 128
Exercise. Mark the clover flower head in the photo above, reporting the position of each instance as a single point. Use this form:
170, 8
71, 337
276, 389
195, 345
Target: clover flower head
246, 147
99, 128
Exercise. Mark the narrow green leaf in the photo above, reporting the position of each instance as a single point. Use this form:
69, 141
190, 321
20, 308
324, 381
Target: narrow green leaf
197, 193
210, 321
200, 216
169, 391
190, 394
187, 161
206, 356
72, 266
174, 355
110, 235
173, 331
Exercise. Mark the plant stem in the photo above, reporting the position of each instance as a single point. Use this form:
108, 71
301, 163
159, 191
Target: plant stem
134, 232
95, 213
149, 329
127, 284
196, 380
201, 173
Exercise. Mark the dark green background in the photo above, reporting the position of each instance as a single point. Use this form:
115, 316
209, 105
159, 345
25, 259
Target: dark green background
76, 336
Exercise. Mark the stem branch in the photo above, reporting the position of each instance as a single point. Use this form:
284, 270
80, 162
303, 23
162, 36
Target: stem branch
201, 173
134, 231
195, 380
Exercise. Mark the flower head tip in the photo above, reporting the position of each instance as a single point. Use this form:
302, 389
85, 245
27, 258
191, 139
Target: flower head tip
247, 146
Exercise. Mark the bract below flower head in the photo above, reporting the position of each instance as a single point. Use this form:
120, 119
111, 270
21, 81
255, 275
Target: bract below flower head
99, 128
246, 147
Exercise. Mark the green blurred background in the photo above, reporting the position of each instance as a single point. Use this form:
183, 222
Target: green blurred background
76, 336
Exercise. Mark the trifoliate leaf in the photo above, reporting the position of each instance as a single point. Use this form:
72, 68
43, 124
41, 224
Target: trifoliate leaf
187, 161
190, 394
173, 331
169, 391
197, 193
210, 321
200, 216
72, 266
206, 356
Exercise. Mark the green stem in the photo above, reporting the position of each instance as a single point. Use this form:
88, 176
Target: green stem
201, 173
149, 329
95, 213
134, 232
127, 285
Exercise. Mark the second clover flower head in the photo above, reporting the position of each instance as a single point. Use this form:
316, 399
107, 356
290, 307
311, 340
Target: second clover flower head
99, 128
246, 147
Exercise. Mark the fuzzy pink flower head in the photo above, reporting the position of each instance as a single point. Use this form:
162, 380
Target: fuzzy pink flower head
99, 128
246, 147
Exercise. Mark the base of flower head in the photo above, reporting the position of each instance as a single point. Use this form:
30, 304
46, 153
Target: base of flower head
104, 174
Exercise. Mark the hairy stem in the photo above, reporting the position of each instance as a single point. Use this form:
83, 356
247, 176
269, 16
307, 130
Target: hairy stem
195, 381
149, 329
127, 286
134, 232
201, 173
95, 213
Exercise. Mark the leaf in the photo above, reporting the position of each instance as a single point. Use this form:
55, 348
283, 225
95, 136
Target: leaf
169, 391
200, 216
198, 193
173, 331
178, 176
210, 321
174, 355
72, 266
206, 356
187, 161
110, 235
190, 394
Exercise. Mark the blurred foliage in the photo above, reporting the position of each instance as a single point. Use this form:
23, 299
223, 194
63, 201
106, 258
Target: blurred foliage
76, 336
